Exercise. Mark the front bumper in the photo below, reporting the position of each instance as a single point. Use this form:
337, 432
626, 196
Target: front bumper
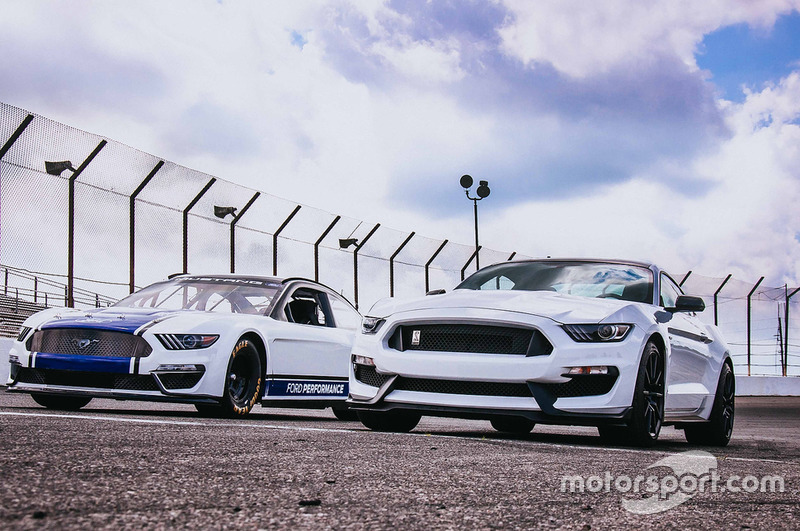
480, 385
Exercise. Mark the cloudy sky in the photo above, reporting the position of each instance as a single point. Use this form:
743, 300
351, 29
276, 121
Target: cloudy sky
663, 130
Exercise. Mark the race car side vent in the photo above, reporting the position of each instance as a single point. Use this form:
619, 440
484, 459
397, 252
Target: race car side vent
459, 387
89, 342
485, 339
175, 380
584, 385
368, 375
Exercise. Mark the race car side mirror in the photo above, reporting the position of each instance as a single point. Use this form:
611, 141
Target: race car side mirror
687, 303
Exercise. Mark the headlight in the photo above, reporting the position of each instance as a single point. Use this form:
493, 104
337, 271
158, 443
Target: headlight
370, 325
186, 341
597, 333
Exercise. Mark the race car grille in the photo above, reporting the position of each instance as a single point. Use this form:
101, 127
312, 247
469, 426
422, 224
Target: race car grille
589, 385
99, 380
485, 339
87, 342
368, 375
180, 381
458, 387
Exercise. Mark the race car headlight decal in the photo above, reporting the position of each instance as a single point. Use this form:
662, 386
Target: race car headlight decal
186, 341
371, 325
597, 333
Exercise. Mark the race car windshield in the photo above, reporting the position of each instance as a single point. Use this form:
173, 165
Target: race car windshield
208, 294
585, 279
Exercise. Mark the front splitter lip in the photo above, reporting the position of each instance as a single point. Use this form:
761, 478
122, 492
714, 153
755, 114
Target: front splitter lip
147, 396
562, 418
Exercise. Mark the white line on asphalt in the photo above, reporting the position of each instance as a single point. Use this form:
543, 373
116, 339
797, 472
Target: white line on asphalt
362, 431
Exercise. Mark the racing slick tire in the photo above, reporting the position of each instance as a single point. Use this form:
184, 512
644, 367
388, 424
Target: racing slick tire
243, 380
397, 421
59, 402
516, 425
344, 413
717, 431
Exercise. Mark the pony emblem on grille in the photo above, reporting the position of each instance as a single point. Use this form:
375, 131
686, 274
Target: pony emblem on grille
83, 344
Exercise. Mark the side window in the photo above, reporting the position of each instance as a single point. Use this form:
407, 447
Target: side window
345, 316
306, 306
669, 292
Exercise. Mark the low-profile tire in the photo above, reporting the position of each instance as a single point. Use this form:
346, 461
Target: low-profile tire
60, 402
648, 398
344, 413
719, 428
647, 412
243, 380
397, 421
515, 425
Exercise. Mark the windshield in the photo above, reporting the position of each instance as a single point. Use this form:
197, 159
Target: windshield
585, 279
207, 294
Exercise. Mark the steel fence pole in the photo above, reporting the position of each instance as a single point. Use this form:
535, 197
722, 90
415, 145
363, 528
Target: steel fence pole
236, 219
275, 240
471, 258
132, 226
15, 135
71, 223
749, 296
319, 241
512, 256
391, 262
686, 276
786, 330
429, 262
355, 263
186, 210
716, 322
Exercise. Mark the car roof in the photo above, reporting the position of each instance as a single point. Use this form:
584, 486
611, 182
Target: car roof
587, 260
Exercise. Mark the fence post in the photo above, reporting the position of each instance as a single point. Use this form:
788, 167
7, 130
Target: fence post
716, 323
45, 299
66, 295
428, 264
71, 223
391, 262
275, 240
355, 263
319, 241
15, 135
236, 219
5, 289
16, 301
471, 258
512, 256
684, 278
35, 289
132, 224
749, 296
786, 330
186, 223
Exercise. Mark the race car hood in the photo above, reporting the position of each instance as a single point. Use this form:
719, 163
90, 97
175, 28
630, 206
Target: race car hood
116, 319
551, 305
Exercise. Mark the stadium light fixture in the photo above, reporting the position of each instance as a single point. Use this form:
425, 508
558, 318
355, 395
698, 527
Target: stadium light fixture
222, 211
344, 243
482, 192
57, 168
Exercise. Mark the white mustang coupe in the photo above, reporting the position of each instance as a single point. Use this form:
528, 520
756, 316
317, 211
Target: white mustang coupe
221, 342
612, 344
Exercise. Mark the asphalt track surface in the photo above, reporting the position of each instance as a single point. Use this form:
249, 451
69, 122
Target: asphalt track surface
142, 465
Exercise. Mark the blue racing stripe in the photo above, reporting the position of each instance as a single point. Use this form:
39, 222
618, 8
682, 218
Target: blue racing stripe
82, 363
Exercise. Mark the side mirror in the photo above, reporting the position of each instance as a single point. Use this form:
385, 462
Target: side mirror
436, 292
687, 303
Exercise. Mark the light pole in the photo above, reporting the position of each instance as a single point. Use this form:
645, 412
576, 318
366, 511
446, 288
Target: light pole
482, 192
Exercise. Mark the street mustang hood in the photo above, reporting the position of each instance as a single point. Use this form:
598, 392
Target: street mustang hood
118, 319
551, 305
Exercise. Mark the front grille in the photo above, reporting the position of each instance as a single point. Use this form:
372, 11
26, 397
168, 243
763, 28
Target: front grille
486, 339
588, 385
368, 375
88, 342
174, 380
458, 387
100, 380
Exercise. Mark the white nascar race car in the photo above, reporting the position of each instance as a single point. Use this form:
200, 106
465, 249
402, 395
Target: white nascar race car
221, 342
611, 344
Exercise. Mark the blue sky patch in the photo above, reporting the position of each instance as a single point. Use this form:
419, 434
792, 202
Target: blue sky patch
744, 55
298, 39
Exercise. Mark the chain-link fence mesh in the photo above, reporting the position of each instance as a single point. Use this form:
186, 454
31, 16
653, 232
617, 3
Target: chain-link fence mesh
34, 237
